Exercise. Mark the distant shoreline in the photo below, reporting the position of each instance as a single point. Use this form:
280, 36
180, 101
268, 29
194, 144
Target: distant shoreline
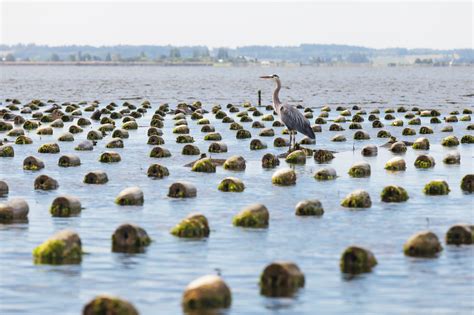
210, 64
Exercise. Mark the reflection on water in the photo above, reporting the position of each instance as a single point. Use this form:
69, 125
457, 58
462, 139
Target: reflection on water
154, 280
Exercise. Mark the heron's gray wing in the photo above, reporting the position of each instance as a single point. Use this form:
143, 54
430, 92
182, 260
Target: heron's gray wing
295, 120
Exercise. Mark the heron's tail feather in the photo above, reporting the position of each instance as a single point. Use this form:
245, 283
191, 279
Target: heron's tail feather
308, 131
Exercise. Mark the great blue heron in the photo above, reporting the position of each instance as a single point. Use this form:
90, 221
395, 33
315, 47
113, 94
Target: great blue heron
289, 115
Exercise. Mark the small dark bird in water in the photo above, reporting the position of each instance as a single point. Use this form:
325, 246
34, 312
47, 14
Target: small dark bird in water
293, 119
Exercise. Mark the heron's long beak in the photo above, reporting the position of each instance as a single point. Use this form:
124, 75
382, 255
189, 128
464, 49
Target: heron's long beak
266, 77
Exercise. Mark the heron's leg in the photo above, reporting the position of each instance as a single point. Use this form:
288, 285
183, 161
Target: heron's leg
291, 139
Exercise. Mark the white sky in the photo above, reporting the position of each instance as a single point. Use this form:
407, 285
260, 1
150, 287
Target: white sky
377, 24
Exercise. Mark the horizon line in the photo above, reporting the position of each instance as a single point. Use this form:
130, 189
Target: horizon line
231, 47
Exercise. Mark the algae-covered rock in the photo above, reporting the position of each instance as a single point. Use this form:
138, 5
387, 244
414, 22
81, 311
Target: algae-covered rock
377, 124
356, 126
96, 177
206, 293
110, 157
355, 260
15, 210
281, 279
270, 161
414, 121
450, 141
193, 226
15, 132
83, 121
218, 147
422, 244
467, 111
5, 126
243, 134
284, 177
311, 207
360, 169
44, 182
235, 163
115, 143
109, 305
102, 129
307, 141
120, 133
447, 128
267, 132
408, 132
157, 171
58, 123
460, 234
204, 165
235, 126
66, 137
258, 124
64, 247
23, 140
451, 119
398, 147
32, 163
184, 139
424, 161
231, 184
257, 144
336, 127
94, 135
281, 142
357, 199
396, 164
160, 152
84, 146
130, 125
421, 144
3, 188
369, 150
69, 160
467, 139
393, 193
6, 151
296, 157
183, 129
253, 216
155, 140
65, 206
131, 196
49, 148
213, 136
436, 187
452, 158
425, 130
361, 135
30, 124
129, 238
323, 156
182, 190
338, 138
325, 173
467, 183
190, 149
383, 134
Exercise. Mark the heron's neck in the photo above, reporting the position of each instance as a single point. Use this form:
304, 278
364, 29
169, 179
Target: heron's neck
276, 99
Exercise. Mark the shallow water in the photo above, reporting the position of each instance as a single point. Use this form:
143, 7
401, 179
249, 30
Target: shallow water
154, 281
